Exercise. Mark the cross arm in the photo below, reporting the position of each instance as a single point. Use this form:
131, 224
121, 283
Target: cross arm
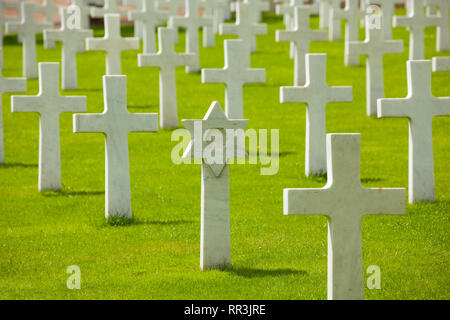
393, 46
149, 60
293, 94
340, 94
13, 85
441, 107
213, 76
95, 44
185, 59
385, 201
25, 104
254, 76
52, 35
393, 108
12, 27
72, 104
284, 36
401, 21
228, 29
92, 122
143, 122
356, 47
306, 202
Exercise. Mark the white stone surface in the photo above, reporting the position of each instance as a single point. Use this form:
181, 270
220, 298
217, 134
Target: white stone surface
236, 73
442, 36
325, 21
352, 16
214, 10
49, 9
345, 202
8, 85
49, 104
85, 12
374, 47
113, 44
388, 10
192, 21
116, 123
72, 40
215, 190
316, 94
257, 7
110, 7
416, 21
167, 60
420, 107
27, 29
301, 36
441, 64
244, 28
149, 18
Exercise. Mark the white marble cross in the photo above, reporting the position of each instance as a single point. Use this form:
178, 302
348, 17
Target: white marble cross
8, 85
301, 36
316, 94
213, 9
416, 21
420, 106
150, 18
325, 21
442, 36
388, 10
257, 7
116, 123
113, 44
109, 8
441, 64
215, 195
352, 15
374, 47
172, 7
73, 41
49, 103
49, 9
345, 202
244, 28
191, 21
167, 60
85, 12
27, 29
236, 73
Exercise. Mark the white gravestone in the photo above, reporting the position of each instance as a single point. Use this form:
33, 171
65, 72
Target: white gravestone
441, 64
167, 60
420, 107
27, 29
85, 12
374, 47
109, 8
325, 21
73, 40
352, 15
236, 73
416, 21
49, 103
213, 9
116, 123
113, 44
316, 94
138, 5
192, 21
149, 18
344, 201
8, 85
257, 7
244, 28
301, 36
49, 9
442, 36
215, 194
388, 10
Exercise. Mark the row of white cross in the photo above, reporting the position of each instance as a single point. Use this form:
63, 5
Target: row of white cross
343, 199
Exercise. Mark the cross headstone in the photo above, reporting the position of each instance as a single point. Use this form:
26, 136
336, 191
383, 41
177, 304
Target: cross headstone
215, 196
244, 28
73, 40
138, 6
109, 8
113, 44
191, 21
85, 12
388, 10
213, 9
288, 10
325, 21
257, 7
352, 15
441, 64
49, 9
150, 18
420, 106
442, 36
374, 47
116, 123
49, 104
416, 21
301, 36
316, 94
8, 85
344, 201
173, 8
27, 29
236, 73
167, 60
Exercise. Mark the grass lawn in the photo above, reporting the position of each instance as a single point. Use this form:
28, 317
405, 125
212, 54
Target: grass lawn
157, 255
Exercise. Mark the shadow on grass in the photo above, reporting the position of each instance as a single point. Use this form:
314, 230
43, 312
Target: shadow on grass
65, 193
318, 178
18, 165
126, 222
261, 273
369, 180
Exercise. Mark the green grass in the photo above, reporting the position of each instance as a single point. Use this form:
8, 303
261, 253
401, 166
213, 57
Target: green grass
156, 255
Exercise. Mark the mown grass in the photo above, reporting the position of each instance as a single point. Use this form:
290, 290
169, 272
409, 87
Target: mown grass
156, 255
